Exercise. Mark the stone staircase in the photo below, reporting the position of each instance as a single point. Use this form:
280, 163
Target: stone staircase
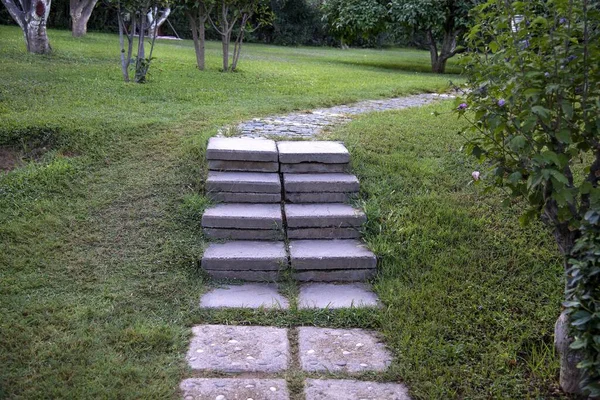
272, 194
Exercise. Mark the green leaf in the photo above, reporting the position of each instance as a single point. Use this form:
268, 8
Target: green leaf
564, 136
543, 112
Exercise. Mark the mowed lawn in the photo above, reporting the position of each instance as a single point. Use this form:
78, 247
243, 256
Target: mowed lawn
100, 238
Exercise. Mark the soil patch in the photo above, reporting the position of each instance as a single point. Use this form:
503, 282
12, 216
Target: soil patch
10, 158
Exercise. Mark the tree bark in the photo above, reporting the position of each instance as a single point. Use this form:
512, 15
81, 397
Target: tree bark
31, 15
570, 375
197, 19
80, 11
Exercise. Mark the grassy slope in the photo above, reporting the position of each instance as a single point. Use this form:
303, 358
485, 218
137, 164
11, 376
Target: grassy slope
98, 273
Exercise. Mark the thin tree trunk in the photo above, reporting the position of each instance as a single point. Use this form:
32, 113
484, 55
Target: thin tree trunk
198, 35
80, 14
124, 60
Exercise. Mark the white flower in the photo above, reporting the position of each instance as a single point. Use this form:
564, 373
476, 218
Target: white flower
475, 175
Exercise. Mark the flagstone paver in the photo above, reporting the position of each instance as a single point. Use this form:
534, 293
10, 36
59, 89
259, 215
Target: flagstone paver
341, 350
330, 389
234, 389
248, 295
235, 349
311, 123
327, 295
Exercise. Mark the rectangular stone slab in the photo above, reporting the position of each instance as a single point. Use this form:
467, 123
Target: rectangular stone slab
243, 182
313, 151
343, 389
235, 349
243, 234
245, 256
319, 168
241, 149
229, 197
346, 275
230, 388
246, 276
323, 233
331, 254
315, 183
248, 166
323, 215
243, 216
322, 197
328, 295
248, 295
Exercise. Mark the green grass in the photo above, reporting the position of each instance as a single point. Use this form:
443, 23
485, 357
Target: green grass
99, 238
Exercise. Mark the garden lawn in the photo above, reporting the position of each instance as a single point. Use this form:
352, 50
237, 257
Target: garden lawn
100, 239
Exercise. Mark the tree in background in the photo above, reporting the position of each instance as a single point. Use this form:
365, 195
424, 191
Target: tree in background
133, 18
349, 19
534, 108
31, 15
197, 13
80, 11
237, 15
442, 22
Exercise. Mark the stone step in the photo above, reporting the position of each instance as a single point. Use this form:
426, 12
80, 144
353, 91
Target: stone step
229, 197
323, 233
261, 295
323, 216
241, 149
311, 255
345, 389
302, 198
246, 276
243, 182
327, 152
314, 168
234, 388
243, 234
243, 216
245, 256
320, 183
247, 166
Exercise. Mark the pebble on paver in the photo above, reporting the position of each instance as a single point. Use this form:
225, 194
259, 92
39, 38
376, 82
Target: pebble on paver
248, 295
235, 349
327, 295
329, 389
341, 350
234, 389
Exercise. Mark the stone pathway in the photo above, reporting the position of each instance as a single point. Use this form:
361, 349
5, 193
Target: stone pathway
284, 207
311, 123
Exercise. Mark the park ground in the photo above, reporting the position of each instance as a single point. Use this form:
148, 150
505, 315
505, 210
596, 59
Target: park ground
100, 238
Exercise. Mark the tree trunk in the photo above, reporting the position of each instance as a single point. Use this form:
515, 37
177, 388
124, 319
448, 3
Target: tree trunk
80, 15
570, 375
225, 42
198, 35
31, 15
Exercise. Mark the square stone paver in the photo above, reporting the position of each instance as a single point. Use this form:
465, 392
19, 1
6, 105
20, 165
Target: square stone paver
341, 350
330, 389
238, 349
312, 151
327, 295
234, 389
248, 295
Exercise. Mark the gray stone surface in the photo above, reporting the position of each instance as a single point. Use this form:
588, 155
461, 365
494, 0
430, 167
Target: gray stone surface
341, 350
313, 151
235, 349
244, 256
243, 182
344, 275
243, 216
248, 166
247, 276
308, 124
323, 233
324, 197
311, 183
323, 215
244, 234
228, 197
248, 295
325, 295
330, 389
330, 254
241, 149
320, 168
234, 389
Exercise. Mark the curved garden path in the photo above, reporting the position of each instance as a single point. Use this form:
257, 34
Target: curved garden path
310, 123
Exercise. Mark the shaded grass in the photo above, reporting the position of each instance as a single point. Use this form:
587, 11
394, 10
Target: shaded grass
471, 297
